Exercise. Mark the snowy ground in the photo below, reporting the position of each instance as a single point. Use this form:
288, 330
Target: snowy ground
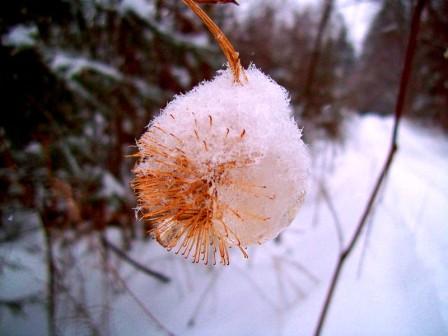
394, 284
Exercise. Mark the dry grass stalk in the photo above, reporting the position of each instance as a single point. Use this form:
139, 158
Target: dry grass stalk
227, 48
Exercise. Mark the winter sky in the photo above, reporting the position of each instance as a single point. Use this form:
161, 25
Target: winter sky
358, 14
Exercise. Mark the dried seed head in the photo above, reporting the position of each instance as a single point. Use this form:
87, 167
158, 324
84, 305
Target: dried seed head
223, 165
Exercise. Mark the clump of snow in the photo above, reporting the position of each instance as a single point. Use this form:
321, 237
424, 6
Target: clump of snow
73, 65
34, 148
20, 36
111, 186
248, 131
140, 7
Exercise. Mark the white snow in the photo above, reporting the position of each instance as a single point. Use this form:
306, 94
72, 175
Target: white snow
20, 36
69, 65
111, 186
143, 8
395, 282
358, 16
72, 65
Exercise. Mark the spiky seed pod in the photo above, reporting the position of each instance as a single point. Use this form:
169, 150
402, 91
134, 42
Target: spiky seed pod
223, 165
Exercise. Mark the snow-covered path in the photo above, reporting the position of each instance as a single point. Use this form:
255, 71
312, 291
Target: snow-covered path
395, 283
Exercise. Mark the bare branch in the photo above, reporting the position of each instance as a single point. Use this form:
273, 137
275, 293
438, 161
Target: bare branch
368, 230
51, 282
17, 305
405, 75
120, 253
217, 2
333, 212
212, 281
145, 310
315, 57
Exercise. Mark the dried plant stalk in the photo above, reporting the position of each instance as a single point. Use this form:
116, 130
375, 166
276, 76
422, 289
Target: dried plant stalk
216, 1
227, 48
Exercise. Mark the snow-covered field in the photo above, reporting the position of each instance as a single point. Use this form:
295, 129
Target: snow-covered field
395, 283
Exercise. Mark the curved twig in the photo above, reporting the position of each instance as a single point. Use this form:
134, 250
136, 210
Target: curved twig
227, 48
131, 293
120, 253
405, 75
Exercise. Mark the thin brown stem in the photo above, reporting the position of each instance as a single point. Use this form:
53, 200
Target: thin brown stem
334, 215
216, 1
405, 75
368, 230
120, 253
131, 293
227, 48
81, 309
51, 281
315, 57
200, 303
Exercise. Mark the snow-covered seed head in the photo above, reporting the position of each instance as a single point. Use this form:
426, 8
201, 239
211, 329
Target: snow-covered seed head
223, 165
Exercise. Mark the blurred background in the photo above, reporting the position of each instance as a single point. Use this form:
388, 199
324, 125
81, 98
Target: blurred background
80, 80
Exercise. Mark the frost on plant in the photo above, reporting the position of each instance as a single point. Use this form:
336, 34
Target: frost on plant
223, 165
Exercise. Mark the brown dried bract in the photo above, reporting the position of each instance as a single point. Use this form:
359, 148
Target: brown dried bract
181, 205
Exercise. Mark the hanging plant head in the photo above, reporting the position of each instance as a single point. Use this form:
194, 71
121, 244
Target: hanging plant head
223, 165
